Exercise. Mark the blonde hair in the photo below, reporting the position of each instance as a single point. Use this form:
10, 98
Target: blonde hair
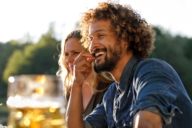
63, 72
100, 82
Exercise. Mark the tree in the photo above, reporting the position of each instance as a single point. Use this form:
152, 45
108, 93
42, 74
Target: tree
6, 50
37, 58
188, 49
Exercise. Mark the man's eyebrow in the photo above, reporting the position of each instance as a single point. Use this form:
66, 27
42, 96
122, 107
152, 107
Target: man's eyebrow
97, 31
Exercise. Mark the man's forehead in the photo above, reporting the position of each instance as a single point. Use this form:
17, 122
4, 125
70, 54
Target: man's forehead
99, 26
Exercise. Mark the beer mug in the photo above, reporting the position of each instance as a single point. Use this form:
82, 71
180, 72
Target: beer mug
35, 101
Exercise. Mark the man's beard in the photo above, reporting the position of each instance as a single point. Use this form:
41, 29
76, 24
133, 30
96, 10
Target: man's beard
109, 62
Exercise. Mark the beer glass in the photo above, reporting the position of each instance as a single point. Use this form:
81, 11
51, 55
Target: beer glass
35, 101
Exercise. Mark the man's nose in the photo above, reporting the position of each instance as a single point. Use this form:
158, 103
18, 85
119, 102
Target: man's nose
92, 45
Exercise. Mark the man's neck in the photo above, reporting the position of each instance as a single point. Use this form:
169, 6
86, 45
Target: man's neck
117, 71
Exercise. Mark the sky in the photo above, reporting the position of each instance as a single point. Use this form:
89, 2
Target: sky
21, 18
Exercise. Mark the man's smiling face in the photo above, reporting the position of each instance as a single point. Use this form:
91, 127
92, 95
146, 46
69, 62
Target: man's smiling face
104, 45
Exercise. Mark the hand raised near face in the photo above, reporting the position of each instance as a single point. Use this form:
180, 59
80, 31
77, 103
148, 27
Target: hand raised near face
82, 67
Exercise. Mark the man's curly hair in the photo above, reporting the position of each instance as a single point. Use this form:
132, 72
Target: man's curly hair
127, 25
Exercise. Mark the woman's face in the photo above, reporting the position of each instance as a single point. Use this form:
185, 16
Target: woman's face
71, 50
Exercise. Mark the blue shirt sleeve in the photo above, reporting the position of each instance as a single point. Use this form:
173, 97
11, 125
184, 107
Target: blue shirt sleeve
156, 85
97, 118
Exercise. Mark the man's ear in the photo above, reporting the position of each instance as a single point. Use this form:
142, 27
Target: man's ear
124, 44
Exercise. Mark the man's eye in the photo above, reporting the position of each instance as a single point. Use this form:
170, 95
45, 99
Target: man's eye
101, 36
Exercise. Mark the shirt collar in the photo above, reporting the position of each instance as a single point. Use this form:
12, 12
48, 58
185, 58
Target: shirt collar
126, 74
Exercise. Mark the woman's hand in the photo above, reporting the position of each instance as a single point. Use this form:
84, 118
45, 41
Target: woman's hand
81, 68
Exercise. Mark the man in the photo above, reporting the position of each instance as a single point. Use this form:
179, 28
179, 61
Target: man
147, 93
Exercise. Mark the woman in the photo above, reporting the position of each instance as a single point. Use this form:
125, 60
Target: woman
95, 84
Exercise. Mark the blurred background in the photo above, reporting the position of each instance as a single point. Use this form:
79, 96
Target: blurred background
31, 32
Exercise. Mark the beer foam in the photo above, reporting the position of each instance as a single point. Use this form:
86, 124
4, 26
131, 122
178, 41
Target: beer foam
27, 102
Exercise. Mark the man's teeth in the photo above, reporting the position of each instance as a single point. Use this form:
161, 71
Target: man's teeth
98, 54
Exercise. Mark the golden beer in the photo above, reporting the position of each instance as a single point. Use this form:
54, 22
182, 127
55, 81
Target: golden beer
36, 118
35, 101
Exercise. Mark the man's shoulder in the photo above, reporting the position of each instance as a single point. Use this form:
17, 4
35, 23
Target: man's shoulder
153, 64
152, 68
152, 61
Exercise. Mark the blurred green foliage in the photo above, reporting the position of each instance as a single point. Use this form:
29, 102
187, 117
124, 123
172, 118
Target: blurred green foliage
36, 58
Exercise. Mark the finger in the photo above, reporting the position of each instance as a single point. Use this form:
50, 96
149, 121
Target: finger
84, 56
78, 58
88, 57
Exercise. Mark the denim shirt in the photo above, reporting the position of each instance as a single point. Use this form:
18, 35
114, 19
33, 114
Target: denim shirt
155, 87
